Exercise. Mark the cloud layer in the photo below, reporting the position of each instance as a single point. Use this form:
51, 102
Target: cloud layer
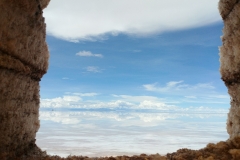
137, 118
126, 102
76, 102
93, 19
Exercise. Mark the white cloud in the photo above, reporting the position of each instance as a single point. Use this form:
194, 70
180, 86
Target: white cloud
60, 117
93, 19
64, 102
178, 86
84, 101
179, 92
71, 98
136, 118
88, 54
75, 100
154, 105
94, 69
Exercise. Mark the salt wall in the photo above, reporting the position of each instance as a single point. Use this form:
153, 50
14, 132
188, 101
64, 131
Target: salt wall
23, 62
230, 61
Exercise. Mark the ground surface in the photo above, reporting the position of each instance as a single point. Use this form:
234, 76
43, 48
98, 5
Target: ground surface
224, 150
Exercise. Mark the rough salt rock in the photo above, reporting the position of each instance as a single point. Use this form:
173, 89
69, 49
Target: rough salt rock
230, 61
23, 61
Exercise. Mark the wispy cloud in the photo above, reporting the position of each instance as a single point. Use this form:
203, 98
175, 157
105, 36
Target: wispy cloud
80, 20
94, 69
88, 54
173, 86
180, 92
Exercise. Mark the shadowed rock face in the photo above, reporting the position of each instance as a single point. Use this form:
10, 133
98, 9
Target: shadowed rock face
230, 61
23, 61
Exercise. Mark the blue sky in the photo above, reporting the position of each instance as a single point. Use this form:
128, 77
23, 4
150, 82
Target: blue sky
167, 64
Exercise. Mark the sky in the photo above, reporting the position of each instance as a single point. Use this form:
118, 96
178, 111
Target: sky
120, 53
135, 56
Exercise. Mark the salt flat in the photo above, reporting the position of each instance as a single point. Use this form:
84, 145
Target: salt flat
128, 132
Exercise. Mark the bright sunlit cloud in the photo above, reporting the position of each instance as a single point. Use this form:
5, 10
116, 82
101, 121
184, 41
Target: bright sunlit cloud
93, 19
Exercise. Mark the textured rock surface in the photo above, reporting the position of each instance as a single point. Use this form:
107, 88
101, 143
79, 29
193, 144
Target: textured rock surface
230, 60
23, 61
